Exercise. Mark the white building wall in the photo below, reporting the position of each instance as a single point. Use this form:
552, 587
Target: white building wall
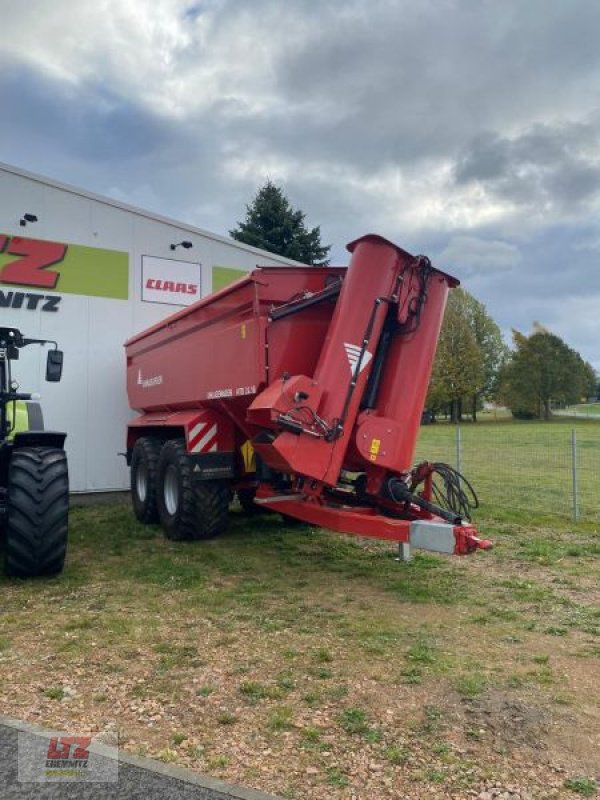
90, 402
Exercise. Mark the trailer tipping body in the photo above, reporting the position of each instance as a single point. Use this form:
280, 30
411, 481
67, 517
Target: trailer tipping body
302, 389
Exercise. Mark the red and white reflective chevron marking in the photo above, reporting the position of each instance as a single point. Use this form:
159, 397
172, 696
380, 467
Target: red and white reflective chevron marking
201, 440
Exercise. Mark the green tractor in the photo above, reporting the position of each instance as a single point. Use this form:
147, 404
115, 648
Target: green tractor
34, 479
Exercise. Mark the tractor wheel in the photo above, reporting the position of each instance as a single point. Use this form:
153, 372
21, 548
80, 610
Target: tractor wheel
144, 479
37, 512
176, 495
212, 498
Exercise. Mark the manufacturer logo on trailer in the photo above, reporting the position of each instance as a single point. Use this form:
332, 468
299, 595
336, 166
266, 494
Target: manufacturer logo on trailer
145, 383
353, 354
202, 438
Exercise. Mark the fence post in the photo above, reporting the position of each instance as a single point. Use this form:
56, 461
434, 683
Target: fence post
574, 473
458, 448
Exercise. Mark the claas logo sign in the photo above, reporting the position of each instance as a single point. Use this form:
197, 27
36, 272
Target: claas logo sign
31, 269
166, 280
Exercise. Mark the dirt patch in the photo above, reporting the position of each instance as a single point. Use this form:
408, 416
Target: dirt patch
511, 722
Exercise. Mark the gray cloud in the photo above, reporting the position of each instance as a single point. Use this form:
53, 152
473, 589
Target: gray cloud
89, 121
555, 166
472, 255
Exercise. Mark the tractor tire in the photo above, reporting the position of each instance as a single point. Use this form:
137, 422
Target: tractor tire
212, 498
176, 496
37, 512
144, 479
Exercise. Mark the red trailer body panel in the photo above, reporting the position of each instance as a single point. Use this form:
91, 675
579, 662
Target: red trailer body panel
220, 349
394, 424
204, 429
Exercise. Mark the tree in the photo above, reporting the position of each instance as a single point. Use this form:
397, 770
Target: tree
479, 373
489, 341
542, 370
272, 224
591, 382
459, 367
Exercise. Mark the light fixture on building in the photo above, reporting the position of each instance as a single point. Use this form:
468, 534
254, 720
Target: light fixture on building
186, 245
27, 218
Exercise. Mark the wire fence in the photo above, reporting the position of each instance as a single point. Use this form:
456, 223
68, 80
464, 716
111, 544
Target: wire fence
542, 468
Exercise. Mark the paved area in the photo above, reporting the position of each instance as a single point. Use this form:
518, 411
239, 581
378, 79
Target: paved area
138, 778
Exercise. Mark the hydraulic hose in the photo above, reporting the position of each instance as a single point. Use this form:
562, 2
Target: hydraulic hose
400, 493
451, 490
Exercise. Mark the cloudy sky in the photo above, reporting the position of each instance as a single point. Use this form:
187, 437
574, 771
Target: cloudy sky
464, 129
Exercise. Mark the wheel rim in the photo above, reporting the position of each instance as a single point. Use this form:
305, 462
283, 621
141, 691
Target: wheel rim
171, 489
141, 482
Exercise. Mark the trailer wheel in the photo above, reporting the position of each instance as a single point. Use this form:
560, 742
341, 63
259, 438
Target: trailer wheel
213, 498
144, 479
37, 512
176, 495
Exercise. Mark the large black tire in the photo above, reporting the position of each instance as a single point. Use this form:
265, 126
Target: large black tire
144, 479
189, 510
37, 512
212, 508
176, 496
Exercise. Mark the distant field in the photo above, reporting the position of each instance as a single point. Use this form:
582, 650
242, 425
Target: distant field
523, 466
585, 408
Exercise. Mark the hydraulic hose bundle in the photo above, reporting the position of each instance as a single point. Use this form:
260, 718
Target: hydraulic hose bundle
453, 491
451, 497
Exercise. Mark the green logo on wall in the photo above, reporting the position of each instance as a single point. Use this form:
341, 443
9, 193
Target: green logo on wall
64, 268
223, 276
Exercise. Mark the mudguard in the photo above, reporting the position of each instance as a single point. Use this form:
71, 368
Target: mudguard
208, 435
39, 439
24, 415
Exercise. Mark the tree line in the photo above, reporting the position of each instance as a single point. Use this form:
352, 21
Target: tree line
472, 364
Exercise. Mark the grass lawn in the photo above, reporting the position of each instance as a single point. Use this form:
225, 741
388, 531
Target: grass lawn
523, 466
316, 666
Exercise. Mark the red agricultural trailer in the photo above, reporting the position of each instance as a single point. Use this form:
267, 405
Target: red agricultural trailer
301, 389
